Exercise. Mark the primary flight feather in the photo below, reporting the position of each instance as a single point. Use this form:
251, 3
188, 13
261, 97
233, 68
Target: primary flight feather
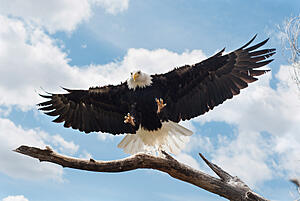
149, 107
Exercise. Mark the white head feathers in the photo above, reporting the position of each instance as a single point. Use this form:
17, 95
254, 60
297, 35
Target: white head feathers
139, 79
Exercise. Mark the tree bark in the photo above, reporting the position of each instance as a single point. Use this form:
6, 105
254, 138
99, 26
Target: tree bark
226, 186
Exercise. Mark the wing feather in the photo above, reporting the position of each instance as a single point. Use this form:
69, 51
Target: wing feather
194, 90
97, 109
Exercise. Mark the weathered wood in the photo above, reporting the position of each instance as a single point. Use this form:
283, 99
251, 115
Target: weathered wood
228, 186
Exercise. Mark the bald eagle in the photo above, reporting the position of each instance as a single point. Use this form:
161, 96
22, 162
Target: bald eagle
148, 108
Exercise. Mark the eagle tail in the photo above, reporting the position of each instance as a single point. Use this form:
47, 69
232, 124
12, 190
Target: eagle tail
171, 138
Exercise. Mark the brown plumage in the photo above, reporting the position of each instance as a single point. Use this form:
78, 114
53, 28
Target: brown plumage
189, 91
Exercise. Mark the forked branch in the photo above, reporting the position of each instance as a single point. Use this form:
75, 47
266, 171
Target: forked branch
226, 186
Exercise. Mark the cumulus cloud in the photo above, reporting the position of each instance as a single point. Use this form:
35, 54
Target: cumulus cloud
58, 15
53, 15
188, 159
63, 145
15, 198
85, 155
5, 111
106, 136
257, 110
247, 156
41, 63
199, 143
37, 58
20, 166
267, 129
112, 6
277, 108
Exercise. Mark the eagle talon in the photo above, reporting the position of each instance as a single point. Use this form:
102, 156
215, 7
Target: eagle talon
160, 104
129, 119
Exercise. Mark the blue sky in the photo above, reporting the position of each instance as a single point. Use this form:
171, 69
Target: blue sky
84, 43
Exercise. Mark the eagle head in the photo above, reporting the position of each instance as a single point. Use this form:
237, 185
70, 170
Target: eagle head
139, 79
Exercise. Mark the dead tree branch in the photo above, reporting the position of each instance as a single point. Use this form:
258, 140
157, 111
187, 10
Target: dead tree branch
227, 186
290, 33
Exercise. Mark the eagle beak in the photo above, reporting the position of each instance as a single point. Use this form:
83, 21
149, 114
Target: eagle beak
135, 75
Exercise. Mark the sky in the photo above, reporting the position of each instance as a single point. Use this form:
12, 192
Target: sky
83, 43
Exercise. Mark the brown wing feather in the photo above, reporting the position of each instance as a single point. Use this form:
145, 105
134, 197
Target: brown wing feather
97, 109
194, 90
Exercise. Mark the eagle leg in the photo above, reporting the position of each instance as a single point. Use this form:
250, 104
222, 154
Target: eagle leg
160, 104
129, 119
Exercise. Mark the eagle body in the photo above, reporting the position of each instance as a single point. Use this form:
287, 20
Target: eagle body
144, 108
153, 105
138, 102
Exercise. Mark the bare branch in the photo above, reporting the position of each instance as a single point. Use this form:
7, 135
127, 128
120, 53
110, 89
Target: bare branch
228, 186
221, 173
290, 39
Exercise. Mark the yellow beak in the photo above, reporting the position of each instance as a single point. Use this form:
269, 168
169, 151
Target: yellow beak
135, 75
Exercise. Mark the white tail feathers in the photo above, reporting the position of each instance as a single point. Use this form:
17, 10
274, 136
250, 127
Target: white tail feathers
171, 138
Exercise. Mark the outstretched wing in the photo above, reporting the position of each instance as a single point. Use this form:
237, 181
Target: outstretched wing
97, 109
190, 91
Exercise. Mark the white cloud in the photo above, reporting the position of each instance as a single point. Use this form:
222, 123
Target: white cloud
112, 6
187, 159
160, 60
35, 66
199, 143
267, 122
246, 156
107, 136
15, 198
85, 155
5, 111
41, 63
58, 15
262, 108
259, 108
20, 166
288, 149
53, 15
64, 146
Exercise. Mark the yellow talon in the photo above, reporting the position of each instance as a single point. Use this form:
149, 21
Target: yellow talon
129, 119
160, 104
